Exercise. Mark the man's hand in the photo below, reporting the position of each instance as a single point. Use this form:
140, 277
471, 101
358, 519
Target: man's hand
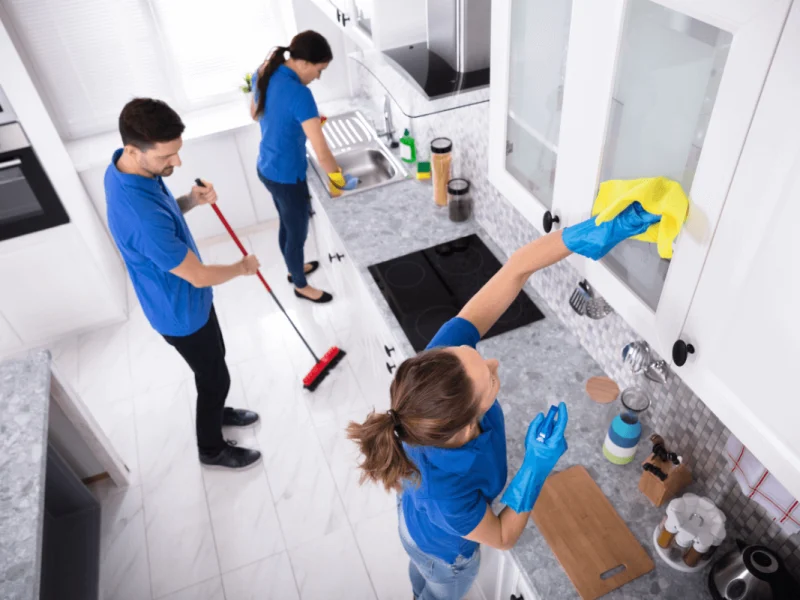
249, 265
205, 194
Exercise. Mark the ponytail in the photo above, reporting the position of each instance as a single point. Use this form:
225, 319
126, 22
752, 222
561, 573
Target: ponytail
309, 46
432, 400
385, 461
275, 60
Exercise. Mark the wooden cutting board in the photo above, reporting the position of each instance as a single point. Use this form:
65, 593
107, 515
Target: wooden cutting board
590, 540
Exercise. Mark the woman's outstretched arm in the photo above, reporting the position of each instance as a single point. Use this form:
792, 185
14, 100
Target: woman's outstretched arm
494, 298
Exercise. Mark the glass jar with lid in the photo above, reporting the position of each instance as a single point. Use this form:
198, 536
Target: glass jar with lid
459, 199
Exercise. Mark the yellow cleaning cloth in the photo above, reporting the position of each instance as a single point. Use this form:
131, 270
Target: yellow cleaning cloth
657, 195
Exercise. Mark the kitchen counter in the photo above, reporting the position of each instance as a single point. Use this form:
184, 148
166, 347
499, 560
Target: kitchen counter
540, 364
24, 407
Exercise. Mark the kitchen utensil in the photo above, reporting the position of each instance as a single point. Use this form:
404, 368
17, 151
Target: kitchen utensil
331, 358
657, 371
751, 573
597, 308
625, 430
580, 298
590, 540
459, 200
636, 355
602, 389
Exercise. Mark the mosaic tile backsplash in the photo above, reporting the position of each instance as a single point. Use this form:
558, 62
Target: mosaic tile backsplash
676, 412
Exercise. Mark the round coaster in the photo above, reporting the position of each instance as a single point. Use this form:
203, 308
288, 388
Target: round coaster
602, 390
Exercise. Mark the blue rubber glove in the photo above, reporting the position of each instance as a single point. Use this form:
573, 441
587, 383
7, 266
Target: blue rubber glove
540, 459
350, 182
595, 241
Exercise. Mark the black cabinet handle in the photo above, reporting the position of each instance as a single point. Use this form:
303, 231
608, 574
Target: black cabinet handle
548, 220
680, 352
515, 597
390, 367
339, 15
345, 19
336, 256
388, 350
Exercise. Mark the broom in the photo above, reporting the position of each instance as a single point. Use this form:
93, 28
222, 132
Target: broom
330, 359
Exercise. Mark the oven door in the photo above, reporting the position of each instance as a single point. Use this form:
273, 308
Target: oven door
28, 202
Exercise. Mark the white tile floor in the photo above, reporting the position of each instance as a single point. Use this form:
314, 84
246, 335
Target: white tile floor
296, 527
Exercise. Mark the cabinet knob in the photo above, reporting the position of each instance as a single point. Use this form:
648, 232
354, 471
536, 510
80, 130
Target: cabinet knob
548, 220
345, 19
390, 367
680, 352
336, 256
388, 350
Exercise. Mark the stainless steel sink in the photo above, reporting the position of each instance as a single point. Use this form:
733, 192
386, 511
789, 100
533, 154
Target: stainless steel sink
359, 152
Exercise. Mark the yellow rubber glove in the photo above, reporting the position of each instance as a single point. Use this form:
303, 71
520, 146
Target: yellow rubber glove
339, 182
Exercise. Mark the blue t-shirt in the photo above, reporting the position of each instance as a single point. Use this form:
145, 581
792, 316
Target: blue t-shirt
282, 153
149, 229
456, 484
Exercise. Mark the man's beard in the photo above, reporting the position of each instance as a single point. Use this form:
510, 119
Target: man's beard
167, 172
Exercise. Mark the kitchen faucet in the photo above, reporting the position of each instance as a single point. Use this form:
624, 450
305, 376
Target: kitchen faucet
388, 126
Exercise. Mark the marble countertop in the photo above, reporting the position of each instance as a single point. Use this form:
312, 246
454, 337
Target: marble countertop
24, 405
540, 364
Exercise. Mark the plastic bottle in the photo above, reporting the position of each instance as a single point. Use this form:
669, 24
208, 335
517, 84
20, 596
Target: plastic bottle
408, 148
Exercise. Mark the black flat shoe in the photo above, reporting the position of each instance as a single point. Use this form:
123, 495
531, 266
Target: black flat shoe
326, 297
314, 266
232, 457
238, 417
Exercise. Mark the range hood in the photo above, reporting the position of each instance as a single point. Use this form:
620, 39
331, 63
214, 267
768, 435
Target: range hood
455, 57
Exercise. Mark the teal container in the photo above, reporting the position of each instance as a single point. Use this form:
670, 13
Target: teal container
625, 430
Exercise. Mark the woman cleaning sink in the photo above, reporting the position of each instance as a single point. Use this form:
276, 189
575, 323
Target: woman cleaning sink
287, 113
442, 445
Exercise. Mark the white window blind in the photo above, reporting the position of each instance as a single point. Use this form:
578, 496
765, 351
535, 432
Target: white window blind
90, 57
213, 43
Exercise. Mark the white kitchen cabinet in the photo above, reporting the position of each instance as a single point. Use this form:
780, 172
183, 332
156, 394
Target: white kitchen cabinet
52, 286
743, 324
248, 140
499, 577
650, 87
374, 24
9, 340
528, 62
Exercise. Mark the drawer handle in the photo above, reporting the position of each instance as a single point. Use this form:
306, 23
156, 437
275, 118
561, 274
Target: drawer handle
388, 350
390, 367
515, 597
548, 220
680, 352
337, 256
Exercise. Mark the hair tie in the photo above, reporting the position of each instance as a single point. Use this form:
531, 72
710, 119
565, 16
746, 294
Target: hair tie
395, 421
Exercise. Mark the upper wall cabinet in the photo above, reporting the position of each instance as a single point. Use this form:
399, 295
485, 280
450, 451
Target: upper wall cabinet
529, 55
649, 88
376, 24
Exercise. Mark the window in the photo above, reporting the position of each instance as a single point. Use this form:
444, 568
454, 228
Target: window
89, 57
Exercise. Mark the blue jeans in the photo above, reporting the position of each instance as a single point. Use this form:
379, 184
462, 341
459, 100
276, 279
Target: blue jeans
292, 202
433, 578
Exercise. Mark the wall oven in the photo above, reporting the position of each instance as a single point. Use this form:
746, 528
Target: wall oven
28, 201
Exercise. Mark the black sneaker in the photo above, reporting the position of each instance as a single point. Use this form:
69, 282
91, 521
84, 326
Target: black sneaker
232, 457
238, 417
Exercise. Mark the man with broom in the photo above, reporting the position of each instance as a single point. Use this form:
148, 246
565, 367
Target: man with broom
172, 284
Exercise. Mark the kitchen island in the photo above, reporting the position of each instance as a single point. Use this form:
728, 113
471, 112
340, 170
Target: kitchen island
540, 364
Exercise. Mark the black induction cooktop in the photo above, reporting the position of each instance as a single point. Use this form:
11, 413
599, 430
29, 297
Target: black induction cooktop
425, 289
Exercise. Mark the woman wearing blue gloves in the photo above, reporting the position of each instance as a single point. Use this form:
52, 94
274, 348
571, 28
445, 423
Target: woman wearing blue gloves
443, 444
285, 108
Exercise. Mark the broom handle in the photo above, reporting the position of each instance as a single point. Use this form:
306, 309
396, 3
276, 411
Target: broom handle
238, 242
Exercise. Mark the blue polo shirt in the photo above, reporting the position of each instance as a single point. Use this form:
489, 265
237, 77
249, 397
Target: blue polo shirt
282, 154
151, 234
456, 484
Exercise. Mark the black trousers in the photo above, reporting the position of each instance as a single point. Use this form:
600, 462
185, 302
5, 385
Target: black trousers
204, 351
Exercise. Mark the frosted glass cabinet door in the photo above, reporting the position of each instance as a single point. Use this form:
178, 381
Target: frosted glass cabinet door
529, 52
661, 88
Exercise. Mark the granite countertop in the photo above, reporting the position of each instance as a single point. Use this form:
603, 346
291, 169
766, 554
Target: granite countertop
540, 364
24, 405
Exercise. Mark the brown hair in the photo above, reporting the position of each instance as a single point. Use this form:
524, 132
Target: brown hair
306, 45
432, 399
144, 121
